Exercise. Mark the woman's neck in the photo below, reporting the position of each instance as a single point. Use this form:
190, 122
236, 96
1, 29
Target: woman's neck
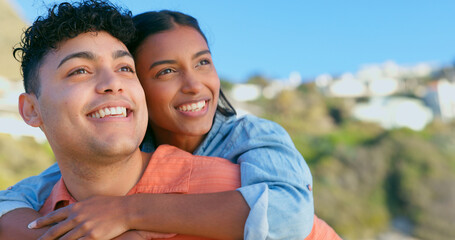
184, 142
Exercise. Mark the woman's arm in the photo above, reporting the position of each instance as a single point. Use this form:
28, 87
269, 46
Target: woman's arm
213, 215
276, 181
13, 225
20, 203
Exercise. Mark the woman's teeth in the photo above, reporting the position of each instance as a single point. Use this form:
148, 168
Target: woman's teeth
109, 112
193, 107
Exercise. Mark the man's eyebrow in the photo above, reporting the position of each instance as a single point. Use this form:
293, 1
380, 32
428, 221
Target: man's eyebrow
85, 55
121, 53
91, 56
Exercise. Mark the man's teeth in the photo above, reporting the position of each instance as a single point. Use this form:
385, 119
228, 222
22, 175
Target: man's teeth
193, 107
110, 112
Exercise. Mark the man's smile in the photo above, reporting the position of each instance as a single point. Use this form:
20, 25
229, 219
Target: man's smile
110, 112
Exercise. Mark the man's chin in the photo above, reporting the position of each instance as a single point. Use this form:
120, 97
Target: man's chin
115, 149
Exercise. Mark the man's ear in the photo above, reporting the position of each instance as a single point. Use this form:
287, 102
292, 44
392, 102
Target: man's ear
29, 109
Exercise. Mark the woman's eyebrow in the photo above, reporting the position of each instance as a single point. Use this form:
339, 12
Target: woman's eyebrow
196, 55
162, 62
201, 53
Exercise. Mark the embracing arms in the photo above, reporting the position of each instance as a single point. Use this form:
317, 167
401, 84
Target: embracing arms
218, 215
215, 215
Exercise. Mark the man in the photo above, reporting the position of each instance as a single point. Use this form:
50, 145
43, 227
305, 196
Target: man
83, 93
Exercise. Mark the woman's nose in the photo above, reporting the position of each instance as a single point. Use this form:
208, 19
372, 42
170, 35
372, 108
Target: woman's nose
191, 83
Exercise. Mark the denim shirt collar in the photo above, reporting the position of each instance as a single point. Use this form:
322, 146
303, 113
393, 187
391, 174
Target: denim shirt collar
148, 144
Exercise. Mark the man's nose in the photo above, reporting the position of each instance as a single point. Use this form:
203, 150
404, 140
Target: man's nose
108, 82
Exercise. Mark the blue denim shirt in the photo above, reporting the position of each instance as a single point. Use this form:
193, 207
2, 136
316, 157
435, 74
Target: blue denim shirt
274, 177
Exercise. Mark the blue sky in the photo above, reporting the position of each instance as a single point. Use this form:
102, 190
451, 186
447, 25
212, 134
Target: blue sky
274, 38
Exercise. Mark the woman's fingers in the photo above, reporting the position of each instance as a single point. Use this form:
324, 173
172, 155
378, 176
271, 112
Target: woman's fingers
58, 230
51, 218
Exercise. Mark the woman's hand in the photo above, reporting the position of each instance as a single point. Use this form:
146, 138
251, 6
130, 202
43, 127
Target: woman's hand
100, 217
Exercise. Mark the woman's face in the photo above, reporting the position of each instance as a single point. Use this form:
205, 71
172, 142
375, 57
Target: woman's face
180, 82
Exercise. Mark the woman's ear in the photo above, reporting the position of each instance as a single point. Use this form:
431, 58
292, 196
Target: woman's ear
29, 109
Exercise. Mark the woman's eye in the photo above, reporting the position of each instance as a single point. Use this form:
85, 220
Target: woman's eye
164, 72
203, 62
78, 71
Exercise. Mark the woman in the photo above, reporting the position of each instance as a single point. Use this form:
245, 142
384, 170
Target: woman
188, 110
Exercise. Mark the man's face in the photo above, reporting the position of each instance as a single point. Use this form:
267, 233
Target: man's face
91, 102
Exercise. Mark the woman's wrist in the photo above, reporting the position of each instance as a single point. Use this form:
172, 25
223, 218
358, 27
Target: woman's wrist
132, 210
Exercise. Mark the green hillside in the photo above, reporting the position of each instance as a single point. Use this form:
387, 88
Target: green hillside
11, 26
366, 177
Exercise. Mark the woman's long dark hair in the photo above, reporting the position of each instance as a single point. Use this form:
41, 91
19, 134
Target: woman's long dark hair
153, 22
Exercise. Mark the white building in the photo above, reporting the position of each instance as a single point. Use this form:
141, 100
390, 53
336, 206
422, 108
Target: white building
278, 85
394, 112
10, 121
371, 80
347, 86
440, 97
245, 92
383, 86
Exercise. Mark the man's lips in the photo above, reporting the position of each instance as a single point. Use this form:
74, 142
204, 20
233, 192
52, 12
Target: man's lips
114, 111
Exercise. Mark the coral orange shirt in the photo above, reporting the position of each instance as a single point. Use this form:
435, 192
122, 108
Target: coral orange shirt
172, 170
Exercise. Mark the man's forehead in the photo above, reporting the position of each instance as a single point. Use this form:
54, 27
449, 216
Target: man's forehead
86, 45
92, 56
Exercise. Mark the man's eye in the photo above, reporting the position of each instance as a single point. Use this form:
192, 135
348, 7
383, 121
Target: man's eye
126, 69
78, 71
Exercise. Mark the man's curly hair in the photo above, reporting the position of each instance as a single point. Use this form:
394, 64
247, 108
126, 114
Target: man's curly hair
66, 21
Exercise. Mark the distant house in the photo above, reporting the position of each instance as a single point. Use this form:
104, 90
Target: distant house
394, 112
279, 85
383, 86
9, 93
10, 121
245, 92
347, 86
372, 80
440, 97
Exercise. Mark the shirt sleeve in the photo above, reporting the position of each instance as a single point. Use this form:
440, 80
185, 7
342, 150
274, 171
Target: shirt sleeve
31, 192
276, 183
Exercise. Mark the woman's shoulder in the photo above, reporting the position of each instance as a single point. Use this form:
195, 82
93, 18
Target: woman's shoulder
250, 125
231, 136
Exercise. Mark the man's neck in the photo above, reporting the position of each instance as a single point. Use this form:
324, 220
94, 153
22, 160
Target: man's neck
115, 179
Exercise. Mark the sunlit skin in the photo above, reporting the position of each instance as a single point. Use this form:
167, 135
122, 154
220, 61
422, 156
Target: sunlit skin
83, 75
175, 78
176, 70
